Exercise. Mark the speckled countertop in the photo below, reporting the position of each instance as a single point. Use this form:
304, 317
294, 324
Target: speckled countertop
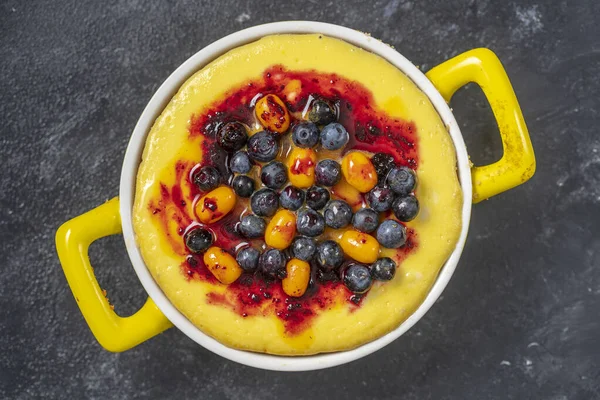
520, 318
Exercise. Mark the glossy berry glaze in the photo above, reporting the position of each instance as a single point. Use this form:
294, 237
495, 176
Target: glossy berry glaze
370, 130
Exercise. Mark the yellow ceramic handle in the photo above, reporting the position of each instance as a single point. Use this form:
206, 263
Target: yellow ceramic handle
73, 239
517, 164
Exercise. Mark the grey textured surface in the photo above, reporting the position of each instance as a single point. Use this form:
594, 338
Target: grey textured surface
518, 320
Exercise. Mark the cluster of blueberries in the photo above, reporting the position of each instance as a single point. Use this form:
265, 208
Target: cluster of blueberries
314, 208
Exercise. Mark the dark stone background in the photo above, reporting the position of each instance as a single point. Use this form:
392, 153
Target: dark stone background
520, 318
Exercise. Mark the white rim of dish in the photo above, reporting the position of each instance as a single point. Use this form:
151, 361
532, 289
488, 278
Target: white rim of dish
154, 108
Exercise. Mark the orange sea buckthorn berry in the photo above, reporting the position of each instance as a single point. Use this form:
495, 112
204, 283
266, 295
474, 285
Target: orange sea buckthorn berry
292, 90
359, 171
344, 191
298, 276
272, 113
215, 205
222, 265
301, 165
281, 229
360, 246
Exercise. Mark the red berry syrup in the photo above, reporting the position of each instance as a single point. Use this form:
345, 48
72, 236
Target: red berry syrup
370, 130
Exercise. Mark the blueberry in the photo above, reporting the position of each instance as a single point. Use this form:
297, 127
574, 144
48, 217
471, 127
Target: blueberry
304, 248
240, 163
383, 269
263, 146
198, 240
309, 222
329, 255
391, 234
365, 220
232, 136
274, 175
291, 198
328, 172
357, 278
248, 258
206, 178
321, 112
406, 208
337, 214
334, 136
402, 180
243, 185
317, 197
252, 227
327, 276
272, 263
383, 163
264, 202
305, 134
381, 198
